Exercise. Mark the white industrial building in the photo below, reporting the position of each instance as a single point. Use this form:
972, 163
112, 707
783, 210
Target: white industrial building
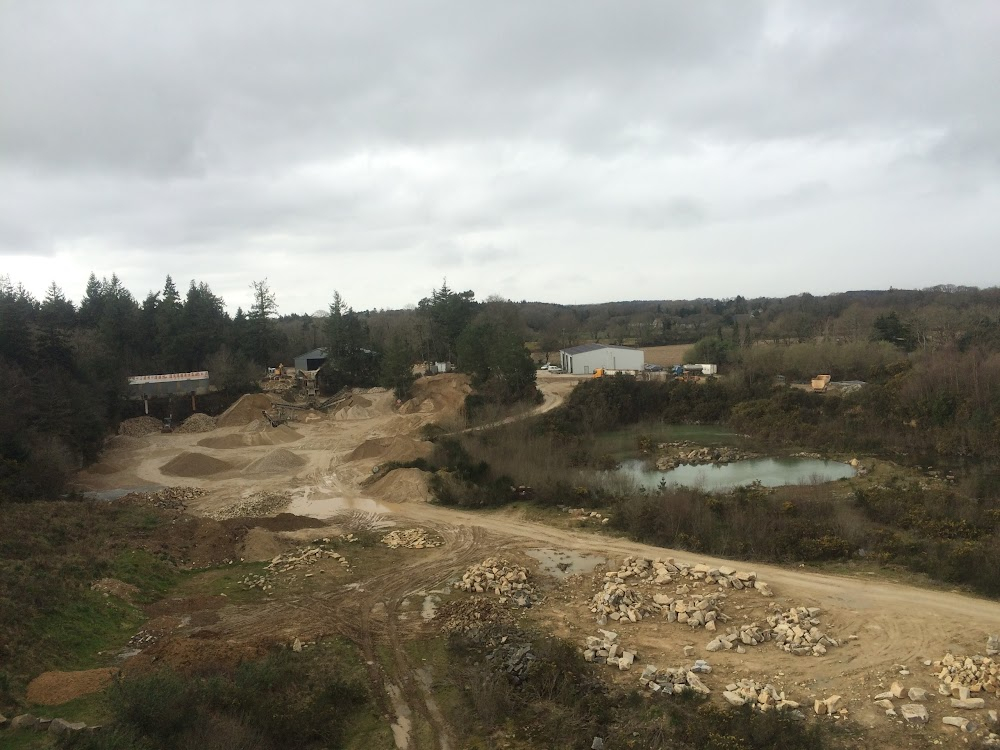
586, 358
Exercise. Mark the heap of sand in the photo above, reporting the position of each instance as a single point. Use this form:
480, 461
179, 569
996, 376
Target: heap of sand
189, 464
264, 436
402, 486
277, 461
400, 448
438, 393
245, 410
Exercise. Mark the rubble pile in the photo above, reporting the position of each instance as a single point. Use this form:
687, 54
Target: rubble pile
685, 453
795, 631
605, 649
582, 514
497, 575
616, 601
290, 562
675, 680
463, 615
758, 695
411, 539
52, 726
254, 506
514, 657
962, 676
662, 572
140, 426
197, 422
169, 498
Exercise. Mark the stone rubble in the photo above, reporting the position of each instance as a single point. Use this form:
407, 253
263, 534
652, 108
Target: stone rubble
795, 631
672, 681
410, 539
976, 674
621, 600
605, 649
914, 713
686, 453
759, 696
291, 562
39, 724
169, 498
501, 577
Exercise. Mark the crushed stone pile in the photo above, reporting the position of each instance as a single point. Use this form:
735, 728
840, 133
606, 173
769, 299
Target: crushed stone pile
197, 422
253, 506
292, 562
666, 571
616, 601
765, 697
464, 615
605, 649
503, 578
139, 426
411, 539
169, 498
191, 464
277, 461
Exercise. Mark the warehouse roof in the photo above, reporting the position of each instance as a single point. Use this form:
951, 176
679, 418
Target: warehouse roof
594, 347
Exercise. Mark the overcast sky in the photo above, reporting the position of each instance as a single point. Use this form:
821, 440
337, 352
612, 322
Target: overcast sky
551, 150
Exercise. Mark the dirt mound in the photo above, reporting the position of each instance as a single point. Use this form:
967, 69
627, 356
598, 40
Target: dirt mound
244, 411
123, 443
280, 522
244, 438
194, 465
261, 545
276, 462
139, 426
197, 542
403, 486
193, 656
398, 448
284, 434
197, 422
56, 688
226, 441
438, 393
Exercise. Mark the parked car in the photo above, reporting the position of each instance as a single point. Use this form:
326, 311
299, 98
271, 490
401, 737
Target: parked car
653, 368
554, 369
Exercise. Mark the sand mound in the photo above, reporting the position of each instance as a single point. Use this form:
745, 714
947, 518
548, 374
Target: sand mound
276, 462
139, 426
244, 411
438, 393
194, 465
197, 422
56, 688
242, 439
402, 486
392, 449
260, 545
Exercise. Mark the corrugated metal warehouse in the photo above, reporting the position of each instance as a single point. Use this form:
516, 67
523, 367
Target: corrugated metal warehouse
584, 359
311, 360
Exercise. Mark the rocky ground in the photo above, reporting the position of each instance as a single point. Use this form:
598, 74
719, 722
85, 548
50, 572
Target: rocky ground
902, 665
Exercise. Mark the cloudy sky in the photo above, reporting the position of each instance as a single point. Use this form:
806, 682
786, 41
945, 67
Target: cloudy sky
550, 150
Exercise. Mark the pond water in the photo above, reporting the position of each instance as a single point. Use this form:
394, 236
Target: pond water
770, 472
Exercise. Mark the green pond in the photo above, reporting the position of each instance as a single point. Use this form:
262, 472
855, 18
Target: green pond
770, 472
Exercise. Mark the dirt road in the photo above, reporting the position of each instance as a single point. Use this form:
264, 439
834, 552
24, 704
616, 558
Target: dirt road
897, 626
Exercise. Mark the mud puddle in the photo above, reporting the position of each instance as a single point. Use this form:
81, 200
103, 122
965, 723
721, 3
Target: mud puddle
562, 563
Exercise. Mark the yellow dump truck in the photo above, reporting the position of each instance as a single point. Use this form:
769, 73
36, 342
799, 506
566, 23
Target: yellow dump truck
820, 382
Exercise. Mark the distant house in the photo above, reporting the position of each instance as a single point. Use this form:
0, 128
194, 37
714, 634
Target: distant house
311, 360
586, 358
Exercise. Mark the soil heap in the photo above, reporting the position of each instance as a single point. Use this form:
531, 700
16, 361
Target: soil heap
276, 462
244, 411
139, 426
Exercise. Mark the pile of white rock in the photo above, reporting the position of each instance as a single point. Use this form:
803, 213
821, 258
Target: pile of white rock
411, 539
675, 680
503, 578
759, 696
255, 505
795, 631
616, 601
605, 649
662, 572
289, 562
977, 674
